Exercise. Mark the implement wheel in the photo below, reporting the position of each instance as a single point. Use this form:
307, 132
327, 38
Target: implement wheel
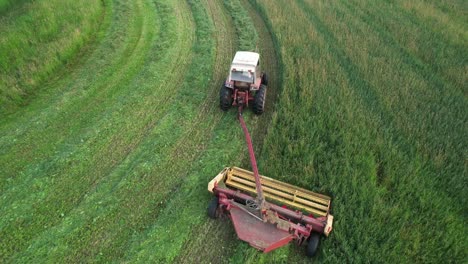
225, 98
259, 100
312, 245
213, 208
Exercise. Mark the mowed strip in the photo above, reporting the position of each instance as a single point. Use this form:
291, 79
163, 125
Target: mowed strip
148, 174
79, 99
36, 43
118, 130
172, 234
177, 233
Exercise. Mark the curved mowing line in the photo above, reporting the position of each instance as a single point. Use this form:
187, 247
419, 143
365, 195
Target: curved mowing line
48, 53
69, 144
23, 214
208, 111
105, 148
78, 227
64, 118
44, 140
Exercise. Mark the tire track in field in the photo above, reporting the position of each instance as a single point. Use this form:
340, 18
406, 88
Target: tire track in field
210, 105
178, 202
84, 88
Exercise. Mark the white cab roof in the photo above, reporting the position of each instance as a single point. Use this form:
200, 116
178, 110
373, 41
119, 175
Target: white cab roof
246, 58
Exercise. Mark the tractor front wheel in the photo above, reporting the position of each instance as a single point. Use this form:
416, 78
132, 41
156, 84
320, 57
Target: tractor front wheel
225, 98
259, 100
264, 79
313, 243
213, 208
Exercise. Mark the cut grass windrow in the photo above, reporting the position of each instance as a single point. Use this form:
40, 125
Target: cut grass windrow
38, 39
100, 144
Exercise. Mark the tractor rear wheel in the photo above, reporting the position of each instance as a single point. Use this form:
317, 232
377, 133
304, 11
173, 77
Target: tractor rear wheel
312, 245
213, 208
259, 100
225, 98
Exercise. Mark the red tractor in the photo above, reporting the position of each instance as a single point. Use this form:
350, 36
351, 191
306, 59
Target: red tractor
246, 84
266, 213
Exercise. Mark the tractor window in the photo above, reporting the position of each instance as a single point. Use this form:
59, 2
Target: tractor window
242, 76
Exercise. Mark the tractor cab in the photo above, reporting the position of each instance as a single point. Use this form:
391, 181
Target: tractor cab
245, 72
245, 84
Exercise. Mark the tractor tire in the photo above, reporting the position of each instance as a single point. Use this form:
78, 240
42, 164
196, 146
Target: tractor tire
213, 208
265, 79
225, 98
313, 243
259, 100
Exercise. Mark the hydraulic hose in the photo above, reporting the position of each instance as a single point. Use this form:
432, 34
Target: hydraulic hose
253, 161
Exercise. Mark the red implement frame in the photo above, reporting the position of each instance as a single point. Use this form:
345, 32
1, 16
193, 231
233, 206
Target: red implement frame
264, 225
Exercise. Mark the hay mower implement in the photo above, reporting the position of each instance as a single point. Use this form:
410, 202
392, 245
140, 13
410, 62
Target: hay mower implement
251, 201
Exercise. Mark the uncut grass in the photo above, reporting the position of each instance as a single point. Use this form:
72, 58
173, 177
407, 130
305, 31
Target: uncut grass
346, 141
431, 107
37, 41
247, 35
455, 9
7, 5
89, 156
440, 39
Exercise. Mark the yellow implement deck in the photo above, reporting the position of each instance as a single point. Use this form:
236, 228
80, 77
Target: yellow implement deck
287, 194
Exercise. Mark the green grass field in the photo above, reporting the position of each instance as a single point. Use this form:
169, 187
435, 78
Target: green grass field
110, 128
